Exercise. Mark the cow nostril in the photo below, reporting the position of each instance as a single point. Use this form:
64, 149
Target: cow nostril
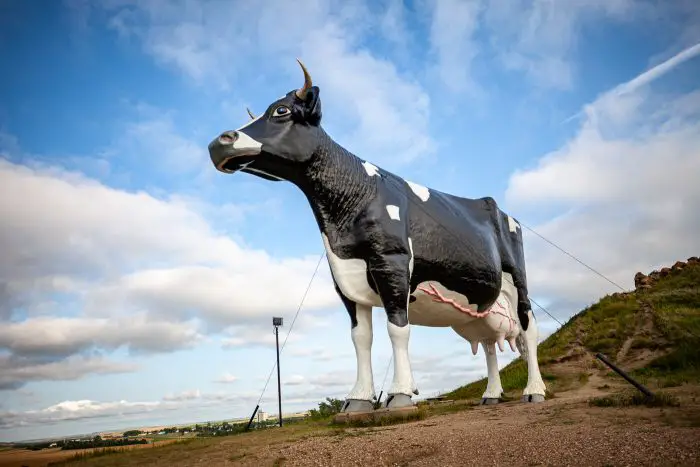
227, 138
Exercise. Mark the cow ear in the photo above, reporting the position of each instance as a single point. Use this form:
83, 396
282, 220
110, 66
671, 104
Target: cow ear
312, 106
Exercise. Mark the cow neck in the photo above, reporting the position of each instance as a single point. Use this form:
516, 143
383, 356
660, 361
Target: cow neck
336, 185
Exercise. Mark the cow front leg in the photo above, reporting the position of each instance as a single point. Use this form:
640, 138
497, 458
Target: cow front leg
494, 390
393, 286
361, 397
535, 389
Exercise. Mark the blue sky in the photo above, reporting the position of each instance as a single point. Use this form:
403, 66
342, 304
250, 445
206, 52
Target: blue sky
137, 283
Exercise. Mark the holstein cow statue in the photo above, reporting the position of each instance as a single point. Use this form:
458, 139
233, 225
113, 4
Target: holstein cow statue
428, 258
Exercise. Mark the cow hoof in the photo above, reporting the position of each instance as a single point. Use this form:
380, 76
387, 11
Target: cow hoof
395, 401
356, 405
490, 400
532, 398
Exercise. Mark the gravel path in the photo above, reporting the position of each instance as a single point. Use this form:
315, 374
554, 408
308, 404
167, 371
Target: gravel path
554, 433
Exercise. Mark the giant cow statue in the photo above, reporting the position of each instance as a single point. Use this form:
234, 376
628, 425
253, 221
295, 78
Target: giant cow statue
428, 258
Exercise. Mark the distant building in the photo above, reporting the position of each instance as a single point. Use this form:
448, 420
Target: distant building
262, 416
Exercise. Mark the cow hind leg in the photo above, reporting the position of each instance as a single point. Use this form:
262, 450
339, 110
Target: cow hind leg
494, 390
527, 344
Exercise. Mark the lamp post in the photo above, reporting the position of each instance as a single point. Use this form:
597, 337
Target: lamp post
277, 322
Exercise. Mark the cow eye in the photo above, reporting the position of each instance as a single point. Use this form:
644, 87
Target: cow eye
280, 111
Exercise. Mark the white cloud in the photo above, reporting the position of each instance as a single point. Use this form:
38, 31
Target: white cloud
74, 410
149, 274
124, 410
539, 37
202, 41
16, 371
452, 30
625, 186
343, 379
183, 396
104, 244
319, 354
227, 378
294, 380
62, 336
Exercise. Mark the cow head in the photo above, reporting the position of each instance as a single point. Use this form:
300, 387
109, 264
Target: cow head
277, 143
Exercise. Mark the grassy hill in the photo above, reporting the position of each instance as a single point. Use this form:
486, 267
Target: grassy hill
652, 332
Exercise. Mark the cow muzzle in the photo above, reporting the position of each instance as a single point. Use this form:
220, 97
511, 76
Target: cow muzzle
233, 150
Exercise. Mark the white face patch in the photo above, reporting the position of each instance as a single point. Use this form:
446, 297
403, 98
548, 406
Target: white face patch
371, 169
513, 224
419, 190
246, 146
393, 212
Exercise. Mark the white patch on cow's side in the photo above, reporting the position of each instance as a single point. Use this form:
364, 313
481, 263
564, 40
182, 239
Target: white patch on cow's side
351, 277
370, 168
513, 224
403, 377
419, 190
362, 340
393, 212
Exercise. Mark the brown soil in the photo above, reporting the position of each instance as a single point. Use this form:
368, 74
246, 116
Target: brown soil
564, 430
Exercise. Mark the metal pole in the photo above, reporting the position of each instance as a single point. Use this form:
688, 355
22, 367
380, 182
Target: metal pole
252, 417
620, 372
279, 382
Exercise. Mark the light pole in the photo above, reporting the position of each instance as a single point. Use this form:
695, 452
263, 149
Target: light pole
277, 322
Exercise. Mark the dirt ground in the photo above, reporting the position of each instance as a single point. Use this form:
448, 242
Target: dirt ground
559, 432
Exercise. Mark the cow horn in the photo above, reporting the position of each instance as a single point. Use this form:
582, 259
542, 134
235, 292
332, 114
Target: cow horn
301, 93
252, 117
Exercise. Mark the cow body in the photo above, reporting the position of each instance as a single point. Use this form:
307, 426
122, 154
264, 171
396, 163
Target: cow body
428, 258
463, 244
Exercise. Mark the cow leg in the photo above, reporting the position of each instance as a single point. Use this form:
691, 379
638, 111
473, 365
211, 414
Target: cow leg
361, 397
494, 390
392, 280
527, 344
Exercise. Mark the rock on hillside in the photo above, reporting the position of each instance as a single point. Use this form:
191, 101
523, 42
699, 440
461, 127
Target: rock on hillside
653, 332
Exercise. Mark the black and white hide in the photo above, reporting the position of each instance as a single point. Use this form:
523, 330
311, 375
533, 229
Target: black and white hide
428, 258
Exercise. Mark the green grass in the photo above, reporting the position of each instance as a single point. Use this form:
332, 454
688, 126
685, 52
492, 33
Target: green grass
393, 419
630, 399
95, 453
674, 303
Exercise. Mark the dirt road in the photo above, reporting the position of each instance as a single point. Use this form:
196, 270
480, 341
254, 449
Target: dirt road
559, 432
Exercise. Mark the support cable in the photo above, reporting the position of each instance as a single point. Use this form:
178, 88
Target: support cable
301, 304
459, 241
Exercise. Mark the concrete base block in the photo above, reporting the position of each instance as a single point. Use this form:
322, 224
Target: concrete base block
375, 415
